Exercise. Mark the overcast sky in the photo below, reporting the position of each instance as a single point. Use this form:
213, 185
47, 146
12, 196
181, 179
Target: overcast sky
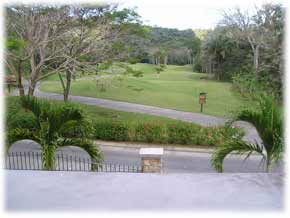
187, 14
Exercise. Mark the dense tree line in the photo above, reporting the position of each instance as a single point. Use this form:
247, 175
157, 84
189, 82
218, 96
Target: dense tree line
247, 49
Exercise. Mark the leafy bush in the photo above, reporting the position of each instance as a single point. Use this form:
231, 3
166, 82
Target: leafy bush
159, 69
192, 134
248, 86
245, 84
137, 73
180, 133
17, 117
150, 132
105, 130
133, 60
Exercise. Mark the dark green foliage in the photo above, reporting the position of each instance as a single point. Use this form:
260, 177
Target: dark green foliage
158, 69
162, 44
137, 73
251, 45
247, 85
133, 60
150, 132
56, 124
196, 135
178, 133
233, 147
268, 122
115, 131
20, 134
16, 117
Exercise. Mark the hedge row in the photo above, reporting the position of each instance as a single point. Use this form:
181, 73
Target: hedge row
150, 132
176, 133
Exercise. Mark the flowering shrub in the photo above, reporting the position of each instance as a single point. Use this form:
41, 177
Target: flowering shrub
173, 133
150, 132
180, 133
116, 131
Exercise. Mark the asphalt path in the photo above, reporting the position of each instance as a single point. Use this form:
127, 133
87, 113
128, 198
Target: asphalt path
172, 161
188, 162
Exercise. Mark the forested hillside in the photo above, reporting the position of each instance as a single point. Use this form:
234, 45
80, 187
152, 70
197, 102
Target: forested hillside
163, 46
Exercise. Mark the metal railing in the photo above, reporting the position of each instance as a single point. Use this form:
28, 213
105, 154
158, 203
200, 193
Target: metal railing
33, 161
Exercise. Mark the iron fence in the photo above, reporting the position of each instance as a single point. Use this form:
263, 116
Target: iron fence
33, 161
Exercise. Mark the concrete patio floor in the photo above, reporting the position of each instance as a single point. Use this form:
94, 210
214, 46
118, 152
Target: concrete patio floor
79, 191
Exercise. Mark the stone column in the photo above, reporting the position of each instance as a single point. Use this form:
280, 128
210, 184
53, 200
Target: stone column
151, 160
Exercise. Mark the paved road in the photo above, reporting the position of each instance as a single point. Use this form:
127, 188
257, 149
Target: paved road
201, 119
173, 161
187, 162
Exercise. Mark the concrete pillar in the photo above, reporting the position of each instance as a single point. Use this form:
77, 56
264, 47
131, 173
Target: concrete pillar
151, 160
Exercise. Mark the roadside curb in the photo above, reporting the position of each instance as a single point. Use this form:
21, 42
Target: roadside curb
144, 145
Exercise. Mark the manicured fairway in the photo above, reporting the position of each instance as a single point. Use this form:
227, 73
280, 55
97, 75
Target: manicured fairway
176, 88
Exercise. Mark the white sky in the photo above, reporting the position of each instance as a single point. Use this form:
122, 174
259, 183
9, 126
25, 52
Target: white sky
187, 14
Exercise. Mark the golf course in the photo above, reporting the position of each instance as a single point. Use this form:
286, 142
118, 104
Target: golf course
176, 87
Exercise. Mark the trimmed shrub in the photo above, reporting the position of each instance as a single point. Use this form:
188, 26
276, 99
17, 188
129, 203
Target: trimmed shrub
180, 133
150, 132
117, 131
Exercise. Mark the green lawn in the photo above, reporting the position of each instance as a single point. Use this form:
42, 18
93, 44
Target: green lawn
177, 88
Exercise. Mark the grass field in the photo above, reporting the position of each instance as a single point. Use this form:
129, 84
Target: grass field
176, 88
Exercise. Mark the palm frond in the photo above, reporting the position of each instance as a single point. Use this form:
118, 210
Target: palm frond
39, 108
18, 134
268, 122
77, 129
233, 147
87, 145
61, 114
33, 104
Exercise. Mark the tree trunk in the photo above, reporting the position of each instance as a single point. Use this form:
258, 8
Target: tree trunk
68, 85
19, 80
165, 60
48, 153
256, 61
32, 86
33, 80
268, 167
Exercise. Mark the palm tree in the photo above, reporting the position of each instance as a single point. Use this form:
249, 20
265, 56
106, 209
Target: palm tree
57, 125
268, 122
